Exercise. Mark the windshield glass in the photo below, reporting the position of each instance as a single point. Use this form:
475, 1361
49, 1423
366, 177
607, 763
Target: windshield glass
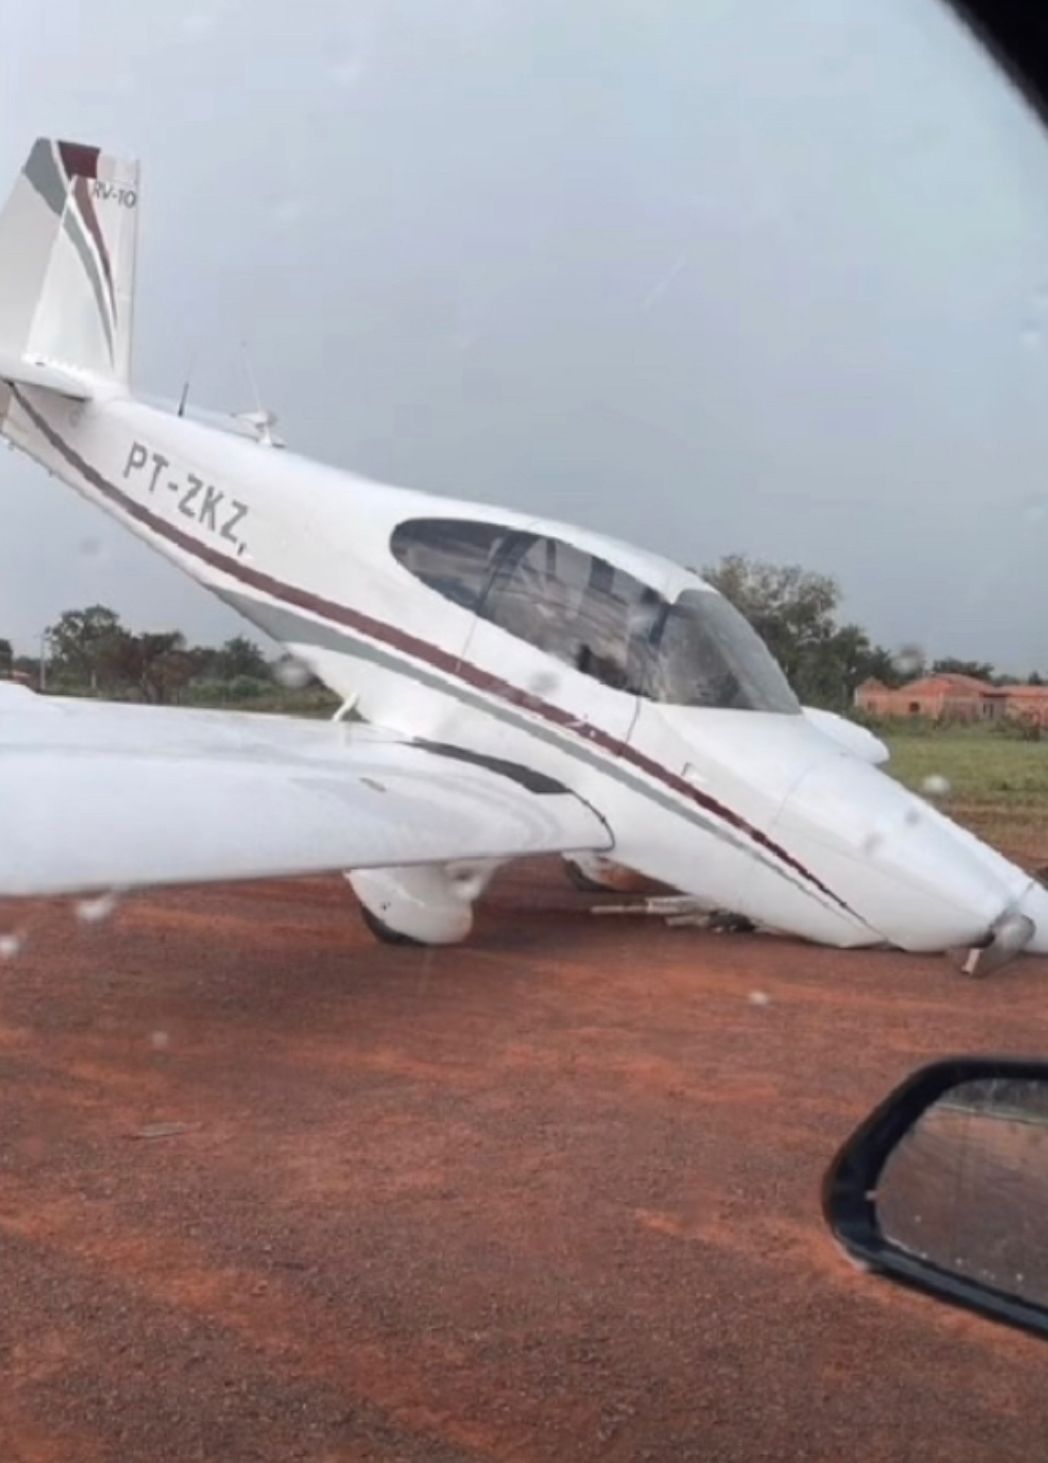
703, 653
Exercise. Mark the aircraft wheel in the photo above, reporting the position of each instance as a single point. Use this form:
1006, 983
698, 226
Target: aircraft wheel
384, 933
582, 880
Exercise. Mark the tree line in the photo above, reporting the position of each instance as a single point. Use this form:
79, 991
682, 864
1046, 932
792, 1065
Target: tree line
794, 610
797, 614
90, 652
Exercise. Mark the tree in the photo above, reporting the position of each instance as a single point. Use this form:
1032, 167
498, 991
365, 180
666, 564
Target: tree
882, 666
980, 670
791, 608
1035, 679
7, 657
795, 613
238, 657
81, 641
156, 664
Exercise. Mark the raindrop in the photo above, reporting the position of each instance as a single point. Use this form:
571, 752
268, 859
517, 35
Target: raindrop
656, 291
1035, 509
912, 818
95, 911
543, 682
159, 1040
873, 843
291, 673
935, 785
1031, 337
10, 945
89, 548
910, 660
759, 998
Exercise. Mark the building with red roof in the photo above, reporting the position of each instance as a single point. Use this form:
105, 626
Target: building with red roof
949, 697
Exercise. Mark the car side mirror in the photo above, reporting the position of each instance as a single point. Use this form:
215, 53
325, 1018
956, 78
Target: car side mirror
944, 1187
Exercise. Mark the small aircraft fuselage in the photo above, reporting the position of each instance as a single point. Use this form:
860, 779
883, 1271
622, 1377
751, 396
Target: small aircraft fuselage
560, 652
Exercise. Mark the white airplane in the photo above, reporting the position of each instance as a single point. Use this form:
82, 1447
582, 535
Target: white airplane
525, 686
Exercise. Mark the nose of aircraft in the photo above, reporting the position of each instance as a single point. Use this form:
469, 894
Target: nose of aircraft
917, 879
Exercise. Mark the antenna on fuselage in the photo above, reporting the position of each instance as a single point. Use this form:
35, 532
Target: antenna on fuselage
184, 397
261, 420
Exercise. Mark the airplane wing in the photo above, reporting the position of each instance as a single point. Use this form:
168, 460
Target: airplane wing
97, 796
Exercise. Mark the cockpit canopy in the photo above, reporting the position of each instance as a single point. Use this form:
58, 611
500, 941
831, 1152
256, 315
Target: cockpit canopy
696, 650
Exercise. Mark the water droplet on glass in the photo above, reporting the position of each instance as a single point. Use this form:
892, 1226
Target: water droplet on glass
935, 785
159, 1040
291, 673
912, 818
543, 682
873, 843
759, 998
1031, 337
89, 548
1035, 509
95, 911
10, 946
910, 660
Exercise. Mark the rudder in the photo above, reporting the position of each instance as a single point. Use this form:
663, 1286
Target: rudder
68, 236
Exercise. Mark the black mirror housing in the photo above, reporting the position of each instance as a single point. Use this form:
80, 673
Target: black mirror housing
853, 1205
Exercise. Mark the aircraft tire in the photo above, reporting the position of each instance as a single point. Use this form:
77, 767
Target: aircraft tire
385, 934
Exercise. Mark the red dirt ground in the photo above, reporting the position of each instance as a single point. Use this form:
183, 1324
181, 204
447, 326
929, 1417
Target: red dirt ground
550, 1197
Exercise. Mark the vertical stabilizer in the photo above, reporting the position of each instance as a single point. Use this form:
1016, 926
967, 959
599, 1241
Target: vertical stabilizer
67, 263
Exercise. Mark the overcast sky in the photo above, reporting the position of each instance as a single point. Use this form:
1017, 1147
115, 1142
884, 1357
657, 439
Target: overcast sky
764, 277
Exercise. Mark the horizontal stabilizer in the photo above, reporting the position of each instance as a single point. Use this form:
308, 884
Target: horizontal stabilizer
39, 373
95, 796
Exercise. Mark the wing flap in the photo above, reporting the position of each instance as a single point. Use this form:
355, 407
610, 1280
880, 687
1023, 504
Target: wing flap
95, 796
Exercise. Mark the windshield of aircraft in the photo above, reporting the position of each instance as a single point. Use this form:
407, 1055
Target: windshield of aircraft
594, 616
704, 653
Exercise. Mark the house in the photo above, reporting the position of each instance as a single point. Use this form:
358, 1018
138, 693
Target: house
949, 697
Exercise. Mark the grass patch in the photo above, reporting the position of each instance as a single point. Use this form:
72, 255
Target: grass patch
998, 787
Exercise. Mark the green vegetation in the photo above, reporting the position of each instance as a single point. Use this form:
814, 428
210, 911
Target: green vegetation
89, 652
998, 784
795, 613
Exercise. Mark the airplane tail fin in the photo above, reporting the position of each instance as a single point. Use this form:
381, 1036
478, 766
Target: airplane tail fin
67, 265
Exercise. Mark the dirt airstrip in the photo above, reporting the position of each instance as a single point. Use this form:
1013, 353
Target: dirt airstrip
269, 1190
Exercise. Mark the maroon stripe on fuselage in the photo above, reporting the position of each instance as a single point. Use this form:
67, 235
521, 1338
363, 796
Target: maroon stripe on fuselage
411, 645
